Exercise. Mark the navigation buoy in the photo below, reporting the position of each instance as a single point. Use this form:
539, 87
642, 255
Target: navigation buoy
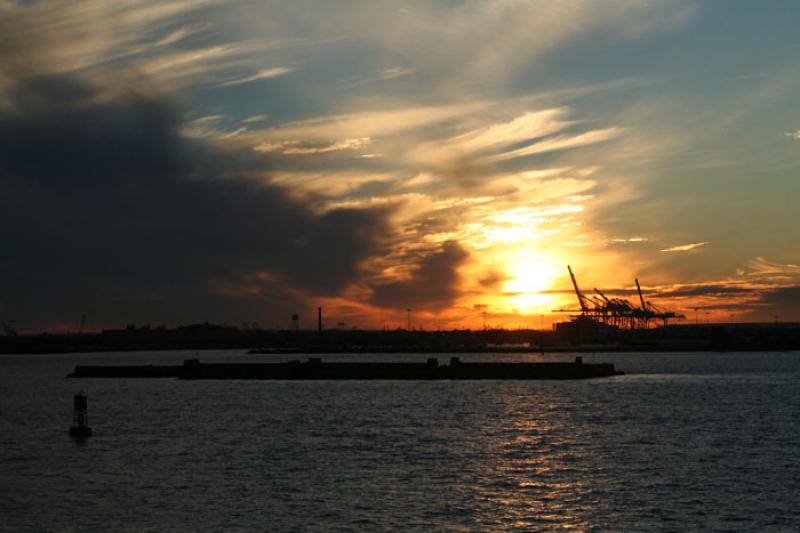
80, 418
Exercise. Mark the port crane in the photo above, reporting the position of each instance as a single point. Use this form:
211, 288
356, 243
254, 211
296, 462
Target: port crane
581, 298
651, 310
618, 312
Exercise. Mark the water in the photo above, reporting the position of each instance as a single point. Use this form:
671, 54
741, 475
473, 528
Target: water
704, 442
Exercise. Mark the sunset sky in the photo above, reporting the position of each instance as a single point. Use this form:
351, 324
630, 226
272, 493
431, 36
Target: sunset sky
170, 162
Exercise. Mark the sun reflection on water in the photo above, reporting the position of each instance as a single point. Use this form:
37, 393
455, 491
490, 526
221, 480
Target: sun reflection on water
542, 475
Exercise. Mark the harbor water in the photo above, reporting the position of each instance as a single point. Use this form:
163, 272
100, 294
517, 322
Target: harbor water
682, 442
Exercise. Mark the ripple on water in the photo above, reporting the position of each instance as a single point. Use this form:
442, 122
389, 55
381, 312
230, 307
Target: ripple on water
686, 445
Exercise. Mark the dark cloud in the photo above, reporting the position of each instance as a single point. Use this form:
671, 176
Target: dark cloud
491, 280
779, 303
785, 296
711, 289
104, 200
59, 135
784, 302
434, 284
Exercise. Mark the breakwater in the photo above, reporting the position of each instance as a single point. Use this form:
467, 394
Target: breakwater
316, 369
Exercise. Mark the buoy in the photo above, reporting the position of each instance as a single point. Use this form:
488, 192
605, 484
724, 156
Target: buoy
80, 418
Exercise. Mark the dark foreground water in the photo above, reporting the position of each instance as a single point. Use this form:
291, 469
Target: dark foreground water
704, 442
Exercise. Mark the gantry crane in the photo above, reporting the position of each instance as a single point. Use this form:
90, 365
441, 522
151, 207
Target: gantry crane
618, 312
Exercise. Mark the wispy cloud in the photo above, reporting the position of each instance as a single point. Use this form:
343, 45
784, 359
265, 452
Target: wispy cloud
86, 35
628, 240
763, 267
396, 72
299, 148
181, 34
562, 142
255, 118
528, 126
260, 75
685, 247
365, 123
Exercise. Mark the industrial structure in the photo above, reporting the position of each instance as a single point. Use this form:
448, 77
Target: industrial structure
617, 313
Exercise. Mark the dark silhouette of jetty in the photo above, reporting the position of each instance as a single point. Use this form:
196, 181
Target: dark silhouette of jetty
315, 369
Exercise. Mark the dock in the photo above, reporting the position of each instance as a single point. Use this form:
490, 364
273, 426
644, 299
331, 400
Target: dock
315, 369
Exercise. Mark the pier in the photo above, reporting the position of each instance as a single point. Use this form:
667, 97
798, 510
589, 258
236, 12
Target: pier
315, 369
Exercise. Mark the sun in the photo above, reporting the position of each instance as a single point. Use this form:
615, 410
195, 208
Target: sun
529, 274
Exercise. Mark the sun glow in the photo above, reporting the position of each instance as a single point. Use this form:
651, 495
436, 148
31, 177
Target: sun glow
530, 273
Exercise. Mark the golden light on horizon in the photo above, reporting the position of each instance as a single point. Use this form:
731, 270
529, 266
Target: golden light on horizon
522, 247
529, 274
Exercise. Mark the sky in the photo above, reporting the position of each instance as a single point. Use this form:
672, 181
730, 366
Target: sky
179, 161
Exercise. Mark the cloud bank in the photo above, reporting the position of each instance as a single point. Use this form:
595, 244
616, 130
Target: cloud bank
241, 160
106, 196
